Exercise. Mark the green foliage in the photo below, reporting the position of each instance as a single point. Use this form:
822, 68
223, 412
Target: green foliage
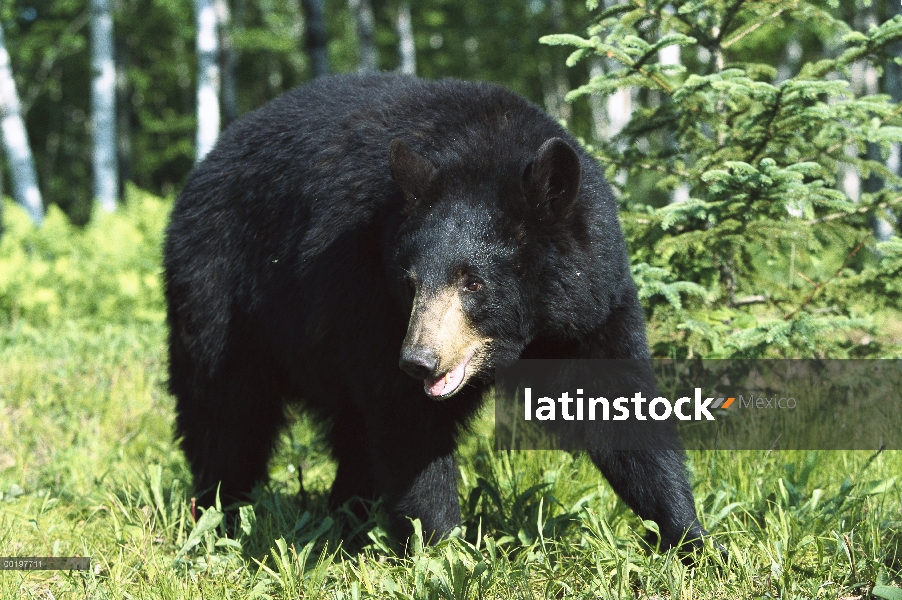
781, 262
106, 273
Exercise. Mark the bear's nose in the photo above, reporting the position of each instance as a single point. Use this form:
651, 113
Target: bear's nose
419, 363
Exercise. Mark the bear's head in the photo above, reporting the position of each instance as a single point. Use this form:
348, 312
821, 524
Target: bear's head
471, 251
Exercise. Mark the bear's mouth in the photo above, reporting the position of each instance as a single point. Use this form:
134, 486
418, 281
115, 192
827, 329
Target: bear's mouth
448, 383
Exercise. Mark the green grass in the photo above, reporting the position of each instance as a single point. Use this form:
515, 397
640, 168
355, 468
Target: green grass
88, 467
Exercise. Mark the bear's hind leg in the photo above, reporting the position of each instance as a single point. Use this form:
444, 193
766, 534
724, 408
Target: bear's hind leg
228, 429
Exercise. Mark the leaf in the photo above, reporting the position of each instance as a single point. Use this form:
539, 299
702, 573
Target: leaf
881, 487
208, 521
566, 39
887, 592
248, 518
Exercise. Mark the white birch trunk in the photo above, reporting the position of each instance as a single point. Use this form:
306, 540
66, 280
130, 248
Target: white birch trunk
103, 105
671, 56
362, 11
610, 115
15, 142
406, 47
619, 105
561, 83
207, 77
620, 109
596, 104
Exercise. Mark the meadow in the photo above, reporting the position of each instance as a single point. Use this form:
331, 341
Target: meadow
89, 467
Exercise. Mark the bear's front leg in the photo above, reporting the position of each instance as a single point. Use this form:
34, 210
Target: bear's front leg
430, 496
644, 460
416, 475
654, 484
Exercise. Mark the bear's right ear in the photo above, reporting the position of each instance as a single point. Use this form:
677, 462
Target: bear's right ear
411, 172
551, 181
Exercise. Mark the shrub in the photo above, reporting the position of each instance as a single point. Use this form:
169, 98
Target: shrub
108, 272
767, 256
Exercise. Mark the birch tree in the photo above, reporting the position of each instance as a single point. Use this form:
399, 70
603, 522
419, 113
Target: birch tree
207, 77
362, 11
229, 60
553, 77
670, 56
103, 105
406, 49
15, 142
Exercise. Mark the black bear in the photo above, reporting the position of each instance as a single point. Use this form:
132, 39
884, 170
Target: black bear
372, 247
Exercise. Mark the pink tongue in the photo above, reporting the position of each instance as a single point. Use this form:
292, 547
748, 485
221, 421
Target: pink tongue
447, 383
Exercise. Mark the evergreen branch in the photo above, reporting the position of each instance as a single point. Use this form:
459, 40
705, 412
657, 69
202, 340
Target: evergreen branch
756, 26
821, 286
625, 60
728, 18
806, 278
661, 169
868, 47
857, 211
697, 32
830, 150
770, 121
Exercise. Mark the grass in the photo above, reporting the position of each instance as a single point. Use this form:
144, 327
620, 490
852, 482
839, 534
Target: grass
88, 467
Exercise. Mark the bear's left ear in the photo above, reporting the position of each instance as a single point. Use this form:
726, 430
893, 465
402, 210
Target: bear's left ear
551, 181
411, 172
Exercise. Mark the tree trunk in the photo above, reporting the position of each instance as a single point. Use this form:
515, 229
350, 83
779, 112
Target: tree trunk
892, 85
671, 56
556, 84
317, 37
103, 105
596, 103
620, 103
620, 110
15, 142
207, 77
229, 58
406, 48
123, 115
362, 11
866, 81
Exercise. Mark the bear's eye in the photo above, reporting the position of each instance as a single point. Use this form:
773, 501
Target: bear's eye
473, 285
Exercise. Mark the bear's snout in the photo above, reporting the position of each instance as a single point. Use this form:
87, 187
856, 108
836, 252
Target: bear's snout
418, 362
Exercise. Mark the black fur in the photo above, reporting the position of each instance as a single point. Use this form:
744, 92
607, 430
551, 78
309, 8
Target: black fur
289, 277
